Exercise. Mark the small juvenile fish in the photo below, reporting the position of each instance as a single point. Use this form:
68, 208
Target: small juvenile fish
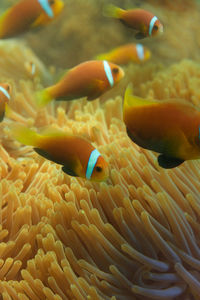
30, 68
171, 128
125, 54
144, 22
89, 79
27, 14
76, 154
5, 96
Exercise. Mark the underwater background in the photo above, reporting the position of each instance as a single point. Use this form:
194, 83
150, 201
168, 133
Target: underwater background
135, 236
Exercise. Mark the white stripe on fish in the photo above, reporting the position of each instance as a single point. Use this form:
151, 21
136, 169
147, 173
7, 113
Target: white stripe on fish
92, 162
151, 24
5, 92
47, 8
108, 73
140, 51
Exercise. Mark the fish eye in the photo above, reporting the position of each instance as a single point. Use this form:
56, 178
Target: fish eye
115, 70
98, 169
155, 27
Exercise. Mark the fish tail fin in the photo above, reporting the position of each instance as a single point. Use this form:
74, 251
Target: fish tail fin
112, 11
25, 135
102, 56
42, 98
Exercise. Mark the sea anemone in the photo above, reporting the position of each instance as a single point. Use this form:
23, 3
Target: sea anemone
135, 236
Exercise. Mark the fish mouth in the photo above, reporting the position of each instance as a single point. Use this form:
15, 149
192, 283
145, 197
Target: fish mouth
122, 73
103, 178
161, 30
147, 55
58, 7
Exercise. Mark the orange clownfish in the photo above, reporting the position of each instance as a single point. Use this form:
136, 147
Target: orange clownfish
127, 53
30, 68
144, 22
27, 14
89, 79
77, 155
169, 127
5, 96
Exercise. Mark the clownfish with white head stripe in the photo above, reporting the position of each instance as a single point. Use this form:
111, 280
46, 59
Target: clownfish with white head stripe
127, 53
77, 156
144, 22
5, 97
30, 68
89, 79
28, 14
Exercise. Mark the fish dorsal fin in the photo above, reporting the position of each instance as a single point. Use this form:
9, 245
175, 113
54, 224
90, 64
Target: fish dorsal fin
50, 131
4, 15
99, 84
182, 102
95, 89
132, 100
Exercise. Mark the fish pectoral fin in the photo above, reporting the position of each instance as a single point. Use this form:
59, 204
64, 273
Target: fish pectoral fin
52, 132
42, 19
169, 162
139, 35
98, 84
95, 89
69, 171
66, 169
74, 168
